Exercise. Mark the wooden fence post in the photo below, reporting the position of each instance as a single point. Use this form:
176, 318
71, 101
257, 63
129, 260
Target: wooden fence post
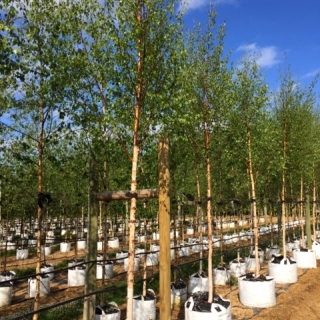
164, 231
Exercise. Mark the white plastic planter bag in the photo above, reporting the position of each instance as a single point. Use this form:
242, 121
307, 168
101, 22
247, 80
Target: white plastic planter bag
82, 244
190, 231
316, 248
10, 245
7, 275
5, 293
284, 272
113, 242
45, 250
221, 276
230, 225
109, 312
196, 247
100, 245
250, 263
242, 235
260, 255
22, 254
156, 236
216, 242
235, 238
144, 307
178, 293
289, 246
249, 234
152, 259
44, 286
184, 251
108, 270
73, 263
155, 247
270, 251
32, 243
77, 276
121, 255
198, 282
139, 252
227, 239
65, 246
141, 238
136, 264
172, 251
237, 268
46, 269
197, 308
305, 259
205, 246
50, 237
257, 294
296, 243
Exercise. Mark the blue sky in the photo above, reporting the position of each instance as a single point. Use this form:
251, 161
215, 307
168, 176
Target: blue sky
280, 33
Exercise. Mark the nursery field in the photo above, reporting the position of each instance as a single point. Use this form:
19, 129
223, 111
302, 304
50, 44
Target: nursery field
295, 301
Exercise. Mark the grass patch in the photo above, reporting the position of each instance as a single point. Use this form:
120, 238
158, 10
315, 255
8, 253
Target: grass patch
55, 248
9, 253
233, 281
61, 265
73, 310
25, 272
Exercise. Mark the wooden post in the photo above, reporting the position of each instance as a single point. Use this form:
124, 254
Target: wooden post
92, 238
164, 230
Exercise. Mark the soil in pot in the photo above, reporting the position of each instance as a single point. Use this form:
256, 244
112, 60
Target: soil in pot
110, 311
197, 307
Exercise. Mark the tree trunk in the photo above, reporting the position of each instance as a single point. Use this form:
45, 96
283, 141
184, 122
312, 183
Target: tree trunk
253, 203
209, 216
200, 219
133, 202
283, 195
40, 210
314, 211
301, 213
92, 238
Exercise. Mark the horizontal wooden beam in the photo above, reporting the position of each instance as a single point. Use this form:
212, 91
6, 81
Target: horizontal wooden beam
127, 195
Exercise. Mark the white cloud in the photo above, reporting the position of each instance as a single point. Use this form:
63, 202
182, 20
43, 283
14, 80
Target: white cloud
196, 4
312, 74
265, 57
